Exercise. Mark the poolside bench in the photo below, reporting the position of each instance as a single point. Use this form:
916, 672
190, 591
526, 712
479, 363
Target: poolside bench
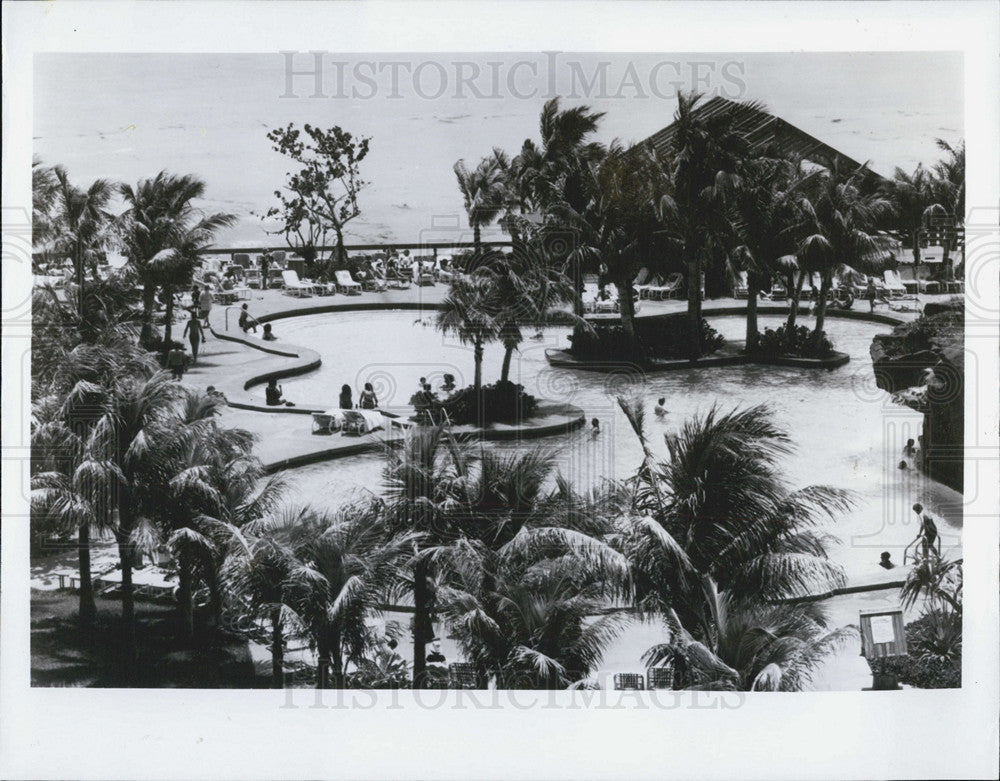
628, 682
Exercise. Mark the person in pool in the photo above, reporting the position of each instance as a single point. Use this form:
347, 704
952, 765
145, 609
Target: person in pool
660, 410
885, 562
930, 541
268, 335
367, 399
449, 383
595, 428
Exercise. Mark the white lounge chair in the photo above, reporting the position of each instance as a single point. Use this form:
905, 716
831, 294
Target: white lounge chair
345, 284
670, 287
740, 289
361, 421
293, 285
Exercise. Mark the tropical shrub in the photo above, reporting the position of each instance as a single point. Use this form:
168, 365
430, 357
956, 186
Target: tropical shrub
655, 338
934, 660
502, 402
801, 344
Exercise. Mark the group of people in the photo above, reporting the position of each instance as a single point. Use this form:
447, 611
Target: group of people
366, 399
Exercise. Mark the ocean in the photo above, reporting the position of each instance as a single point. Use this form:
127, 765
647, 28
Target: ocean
128, 116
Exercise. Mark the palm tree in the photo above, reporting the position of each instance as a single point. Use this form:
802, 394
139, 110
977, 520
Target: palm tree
470, 312
842, 233
482, 191
530, 293
346, 566
707, 154
66, 487
720, 508
80, 222
161, 231
126, 438
949, 186
522, 616
914, 205
767, 647
420, 485
767, 206
44, 192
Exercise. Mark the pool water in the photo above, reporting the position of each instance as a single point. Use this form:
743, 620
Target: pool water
848, 433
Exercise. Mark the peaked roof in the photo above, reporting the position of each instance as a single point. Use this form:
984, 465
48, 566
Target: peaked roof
762, 130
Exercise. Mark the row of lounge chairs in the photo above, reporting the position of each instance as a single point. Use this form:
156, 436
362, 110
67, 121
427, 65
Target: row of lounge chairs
658, 287
350, 422
888, 286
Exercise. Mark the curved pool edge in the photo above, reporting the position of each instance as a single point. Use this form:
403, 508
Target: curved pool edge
564, 359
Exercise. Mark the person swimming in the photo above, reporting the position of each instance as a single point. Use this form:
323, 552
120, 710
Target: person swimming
660, 410
885, 562
595, 428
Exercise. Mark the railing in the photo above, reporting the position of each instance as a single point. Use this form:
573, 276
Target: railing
416, 245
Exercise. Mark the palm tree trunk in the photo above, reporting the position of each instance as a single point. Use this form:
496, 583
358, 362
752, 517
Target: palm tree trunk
753, 333
277, 649
336, 662
478, 383
626, 305
125, 554
185, 598
88, 608
796, 297
916, 257
694, 306
421, 618
824, 290
169, 325
148, 302
509, 348
476, 238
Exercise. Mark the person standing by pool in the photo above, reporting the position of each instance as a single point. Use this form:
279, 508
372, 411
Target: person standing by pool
928, 537
205, 304
195, 332
367, 399
265, 267
345, 397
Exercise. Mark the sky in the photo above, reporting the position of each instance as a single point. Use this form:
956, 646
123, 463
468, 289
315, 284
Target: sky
128, 116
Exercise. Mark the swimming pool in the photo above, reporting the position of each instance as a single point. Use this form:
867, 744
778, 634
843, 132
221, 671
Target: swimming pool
848, 433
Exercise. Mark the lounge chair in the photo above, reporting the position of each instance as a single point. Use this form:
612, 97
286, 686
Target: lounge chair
374, 282
327, 422
893, 284
361, 421
660, 678
241, 259
293, 285
397, 280
628, 682
223, 296
670, 287
778, 291
426, 276
345, 284
740, 289
654, 281
462, 675
253, 278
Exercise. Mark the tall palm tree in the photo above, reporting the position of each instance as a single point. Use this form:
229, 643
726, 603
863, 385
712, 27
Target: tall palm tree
420, 483
914, 205
346, 567
707, 154
949, 186
618, 226
126, 438
768, 223
524, 616
531, 293
470, 311
81, 221
842, 233
720, 508
161, 231
482, 191
764, 647
66, 487
44, 192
